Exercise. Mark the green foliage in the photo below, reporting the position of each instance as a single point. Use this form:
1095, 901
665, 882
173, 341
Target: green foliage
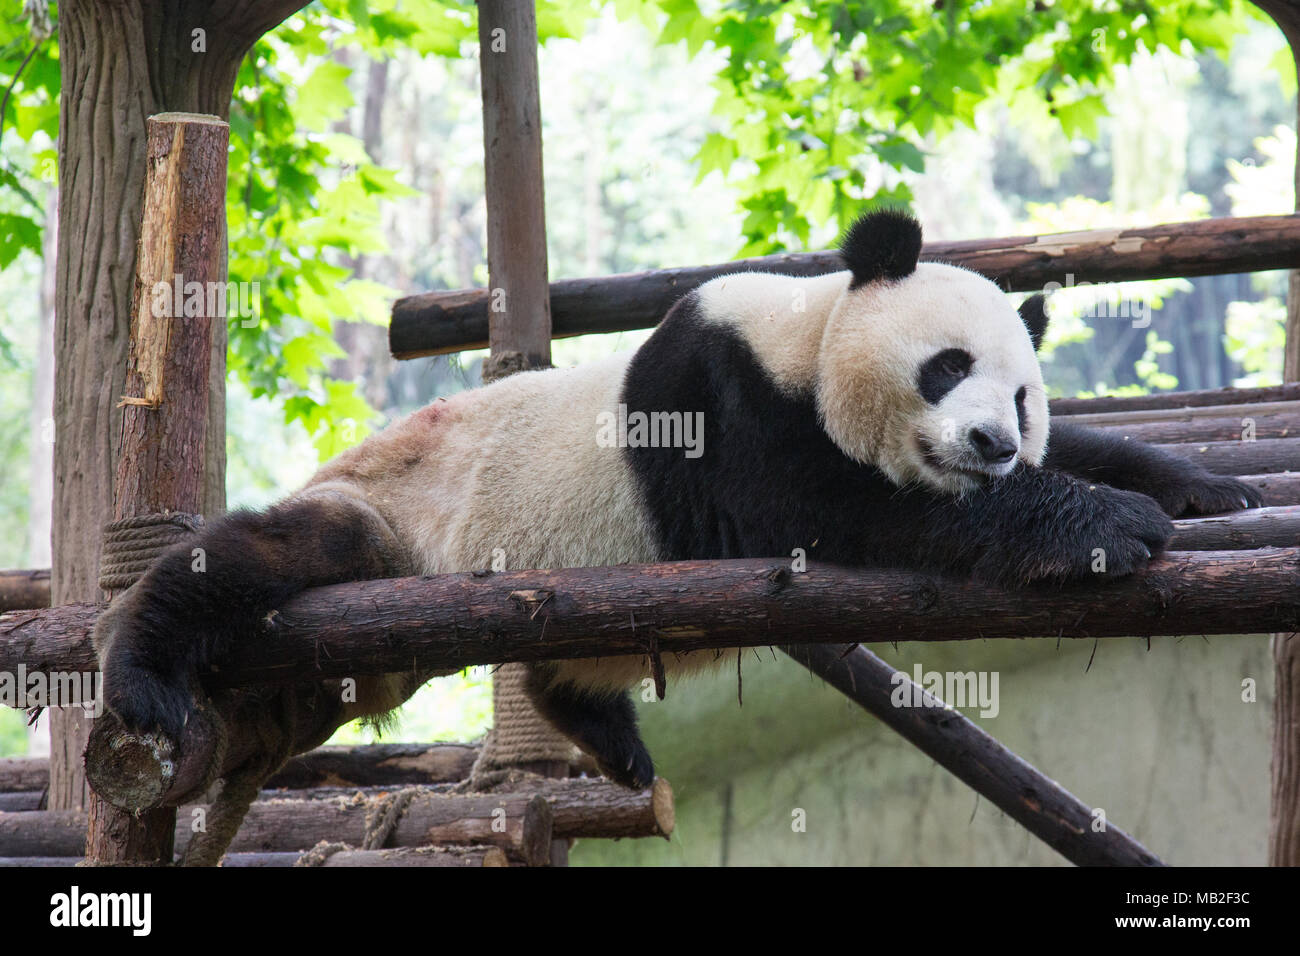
29, 125
13, 732
825, 103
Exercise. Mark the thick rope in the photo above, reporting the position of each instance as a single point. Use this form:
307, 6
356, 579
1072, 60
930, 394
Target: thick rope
131, 545
519, 735
321, 852
384, 813
502, 364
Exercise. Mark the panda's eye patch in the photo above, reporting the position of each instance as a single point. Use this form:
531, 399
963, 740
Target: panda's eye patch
942, 372
1021, 413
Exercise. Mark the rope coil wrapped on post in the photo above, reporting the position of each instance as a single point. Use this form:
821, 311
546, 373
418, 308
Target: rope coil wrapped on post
131, 545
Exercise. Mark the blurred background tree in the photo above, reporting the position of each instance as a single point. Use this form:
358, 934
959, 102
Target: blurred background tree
676, 132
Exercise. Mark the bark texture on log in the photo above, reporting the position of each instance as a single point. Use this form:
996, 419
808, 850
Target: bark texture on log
1277, 490
457, 620
1246, 530
1039, 804
1244, 423
369, 765
1266, 456
519, 328
1284, 812
163, 447
119, 63
401, 856
579, 808
24, 589
433, 323
1175, 400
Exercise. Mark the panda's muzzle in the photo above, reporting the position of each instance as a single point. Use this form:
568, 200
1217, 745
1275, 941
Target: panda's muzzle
993, 447
984, 458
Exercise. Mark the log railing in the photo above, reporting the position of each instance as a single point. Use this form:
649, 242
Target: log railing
459, 620
432, 323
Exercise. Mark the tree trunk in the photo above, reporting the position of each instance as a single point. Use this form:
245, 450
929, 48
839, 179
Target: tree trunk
1284, 812
120, 63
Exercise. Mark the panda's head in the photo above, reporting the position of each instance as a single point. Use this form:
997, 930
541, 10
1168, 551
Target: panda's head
927, 371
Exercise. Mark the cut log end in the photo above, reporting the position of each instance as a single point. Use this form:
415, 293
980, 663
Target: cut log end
663, 807
138, 772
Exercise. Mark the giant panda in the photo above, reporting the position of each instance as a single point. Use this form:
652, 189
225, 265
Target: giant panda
890, 414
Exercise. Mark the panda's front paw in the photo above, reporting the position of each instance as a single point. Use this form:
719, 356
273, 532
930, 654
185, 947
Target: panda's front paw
1099, 531
1198, 492
1123, 534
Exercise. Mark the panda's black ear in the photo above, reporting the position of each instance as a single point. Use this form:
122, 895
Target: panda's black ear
884, 244
1033, 312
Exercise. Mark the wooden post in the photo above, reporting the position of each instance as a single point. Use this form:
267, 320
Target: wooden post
1284, 810
519, 319
180, 288
519, 307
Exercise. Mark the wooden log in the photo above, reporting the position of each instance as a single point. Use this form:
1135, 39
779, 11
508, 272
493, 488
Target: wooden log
181, 264
1266, 456
451, 621
1156, 400
400, 856
1278, 490
376, 765
1039, 804
1284, 804
28, 862
579, 808
24, 773
1257, 528
1181, 427
361, 766
518, 321
43, 833
432, 323
1133, 416
22, 800
519, 317
22, 589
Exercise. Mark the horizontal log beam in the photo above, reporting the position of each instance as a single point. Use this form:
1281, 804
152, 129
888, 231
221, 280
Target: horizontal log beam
1185, 426
579, 808
459, 620
432, 323
1243, 530
21, 589
1193, 399
1038, 803
368, 765
22, 800
401, 856
1277, 490
417, 856
1266, 456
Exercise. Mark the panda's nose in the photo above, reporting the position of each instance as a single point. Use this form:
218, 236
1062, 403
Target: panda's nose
993, 447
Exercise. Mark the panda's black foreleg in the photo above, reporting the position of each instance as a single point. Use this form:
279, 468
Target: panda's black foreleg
1036, 524
601, 722
1181, 487
203, 596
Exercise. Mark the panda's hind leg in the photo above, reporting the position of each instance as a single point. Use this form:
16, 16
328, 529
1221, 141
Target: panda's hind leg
183, 614
600, 720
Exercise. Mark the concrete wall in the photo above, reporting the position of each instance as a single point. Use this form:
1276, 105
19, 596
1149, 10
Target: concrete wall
1161, 740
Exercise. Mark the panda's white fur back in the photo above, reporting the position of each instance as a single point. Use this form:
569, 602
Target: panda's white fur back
513, 466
